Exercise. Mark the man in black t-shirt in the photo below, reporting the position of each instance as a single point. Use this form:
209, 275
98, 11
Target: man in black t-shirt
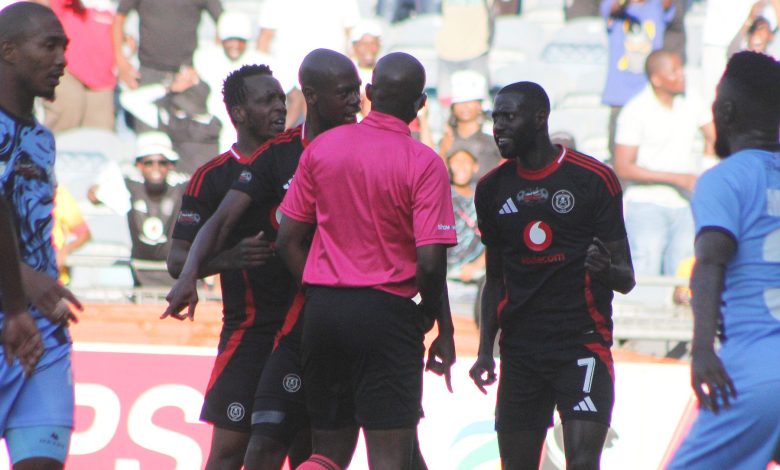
256, 290
331, 87
552, 223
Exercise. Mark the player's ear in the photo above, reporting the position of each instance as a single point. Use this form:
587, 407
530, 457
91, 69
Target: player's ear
541, 117
310, 95
8, 51
369, 91
238, 114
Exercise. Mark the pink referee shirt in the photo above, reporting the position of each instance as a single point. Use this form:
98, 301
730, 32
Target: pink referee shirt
376, 194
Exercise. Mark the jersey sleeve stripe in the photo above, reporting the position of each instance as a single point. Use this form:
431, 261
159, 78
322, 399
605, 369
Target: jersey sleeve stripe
193, 187
606, 174
284, 137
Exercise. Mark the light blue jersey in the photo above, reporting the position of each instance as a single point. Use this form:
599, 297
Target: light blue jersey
28, 183
741, 198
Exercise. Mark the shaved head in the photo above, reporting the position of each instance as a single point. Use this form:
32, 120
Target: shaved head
398, 84
321, 65
659, 61
20, 20
532, 94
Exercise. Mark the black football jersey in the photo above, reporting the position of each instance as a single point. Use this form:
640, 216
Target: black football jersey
255, 298
542, 222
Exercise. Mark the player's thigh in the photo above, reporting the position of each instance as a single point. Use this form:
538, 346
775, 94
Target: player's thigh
526, 398
279, 409
387, 376
744, 436
47, 396
237, 370
325, 362
38, 446
584, 384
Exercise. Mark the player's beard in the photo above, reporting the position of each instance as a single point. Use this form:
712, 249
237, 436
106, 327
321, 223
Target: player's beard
154, 187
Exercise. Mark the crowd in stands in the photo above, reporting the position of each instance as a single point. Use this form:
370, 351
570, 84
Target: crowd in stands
151, 71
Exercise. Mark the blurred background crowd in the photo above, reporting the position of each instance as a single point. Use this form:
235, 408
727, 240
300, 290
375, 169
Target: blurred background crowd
140, 105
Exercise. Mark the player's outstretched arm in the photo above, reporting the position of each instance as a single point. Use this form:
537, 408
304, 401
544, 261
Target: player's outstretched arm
209, 240
20, 336
432, 283
611, 264
483, 372
250, 252
710, 381
292, 243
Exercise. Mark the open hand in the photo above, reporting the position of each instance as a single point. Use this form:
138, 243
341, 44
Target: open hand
21, 339
711, 383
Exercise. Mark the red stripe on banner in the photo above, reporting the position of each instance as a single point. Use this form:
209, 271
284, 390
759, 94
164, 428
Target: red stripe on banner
291, 318
223, 359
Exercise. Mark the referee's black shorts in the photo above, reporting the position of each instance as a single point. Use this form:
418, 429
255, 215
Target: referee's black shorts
362, 353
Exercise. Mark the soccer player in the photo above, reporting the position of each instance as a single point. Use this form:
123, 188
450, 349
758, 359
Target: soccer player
255, 103
331, 86
552, 223
36, 412
382, 208
736, 208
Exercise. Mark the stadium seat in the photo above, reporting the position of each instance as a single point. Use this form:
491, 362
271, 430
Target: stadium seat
580, 41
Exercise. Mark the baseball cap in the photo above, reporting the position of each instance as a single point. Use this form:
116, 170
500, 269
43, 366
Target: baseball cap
234, 25
366, 27
468, 85
155, 143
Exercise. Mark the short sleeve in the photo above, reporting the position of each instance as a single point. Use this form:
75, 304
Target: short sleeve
125, 6
486, 215
195, 211
608, 209
299, 203
256, 179
716, 202
432, 215
629, 125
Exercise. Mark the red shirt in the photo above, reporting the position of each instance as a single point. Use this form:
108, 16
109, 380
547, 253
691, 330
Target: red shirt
376, 194
90, 53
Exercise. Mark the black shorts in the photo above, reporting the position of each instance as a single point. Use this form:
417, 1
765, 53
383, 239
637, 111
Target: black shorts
279, 410
237, 368
578, 380
362, 353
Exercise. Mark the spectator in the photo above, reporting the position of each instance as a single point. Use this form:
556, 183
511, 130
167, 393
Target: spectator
463, 42
721, 22
168, 37
399, 10
564, 139
70, 231
366, 44
466, 260
85, 95
181, 112
755, 35
464, 128
655, 156
290, 29
636, 28
155, 196
214, 62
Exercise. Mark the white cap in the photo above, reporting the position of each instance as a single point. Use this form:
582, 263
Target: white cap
155, 143
366, 27
468, 85
234, 25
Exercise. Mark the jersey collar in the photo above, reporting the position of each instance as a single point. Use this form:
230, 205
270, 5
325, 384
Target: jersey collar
240, 157
546, 171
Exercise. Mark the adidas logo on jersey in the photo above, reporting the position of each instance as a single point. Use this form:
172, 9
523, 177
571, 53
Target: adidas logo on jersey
509, 207
585, 405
